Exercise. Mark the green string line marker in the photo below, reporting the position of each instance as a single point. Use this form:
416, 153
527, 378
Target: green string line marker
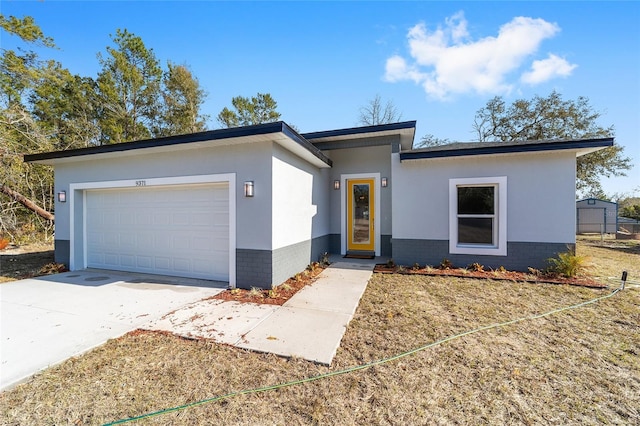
359, 367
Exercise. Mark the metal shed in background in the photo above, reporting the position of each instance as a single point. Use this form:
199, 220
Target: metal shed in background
596, 216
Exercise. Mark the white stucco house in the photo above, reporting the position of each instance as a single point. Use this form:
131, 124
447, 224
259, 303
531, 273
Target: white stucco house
254, 205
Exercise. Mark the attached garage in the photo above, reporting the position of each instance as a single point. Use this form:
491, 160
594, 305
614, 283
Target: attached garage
179, 230
181, 226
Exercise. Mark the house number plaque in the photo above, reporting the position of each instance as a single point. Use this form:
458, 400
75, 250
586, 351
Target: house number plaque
141, 183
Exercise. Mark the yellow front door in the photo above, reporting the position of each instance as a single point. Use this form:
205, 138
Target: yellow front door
360, 220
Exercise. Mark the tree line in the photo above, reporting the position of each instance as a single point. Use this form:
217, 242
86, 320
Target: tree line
45, 107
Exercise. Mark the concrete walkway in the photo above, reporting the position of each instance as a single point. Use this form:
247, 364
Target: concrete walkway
46, 320
310, 325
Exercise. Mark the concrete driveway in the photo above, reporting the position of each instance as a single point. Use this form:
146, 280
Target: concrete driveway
45, 320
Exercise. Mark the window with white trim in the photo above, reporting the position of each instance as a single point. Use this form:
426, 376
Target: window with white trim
478, 216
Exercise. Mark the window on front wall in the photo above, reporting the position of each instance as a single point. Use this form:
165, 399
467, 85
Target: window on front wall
477, 216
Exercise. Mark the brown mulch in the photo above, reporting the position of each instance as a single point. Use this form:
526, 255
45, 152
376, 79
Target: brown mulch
277, 295
504, 275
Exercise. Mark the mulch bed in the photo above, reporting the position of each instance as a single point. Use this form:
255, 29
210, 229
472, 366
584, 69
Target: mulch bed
283, 292
278, 295
498, 275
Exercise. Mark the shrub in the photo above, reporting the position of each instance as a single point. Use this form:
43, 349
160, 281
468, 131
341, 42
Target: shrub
568, 264
52, 268
324, 259
476, 267
285, 287
256, 292
535, 272
446, 264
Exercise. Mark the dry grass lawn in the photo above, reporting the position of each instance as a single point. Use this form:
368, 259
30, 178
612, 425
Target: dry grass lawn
577, 367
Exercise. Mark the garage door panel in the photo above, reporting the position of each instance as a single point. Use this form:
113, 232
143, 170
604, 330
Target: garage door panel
145, 262
180, 219
162, 263
127, 219
95, 258
143, 218
182, 265
128, 260
201, 219
111, 259
170, 230
162, 218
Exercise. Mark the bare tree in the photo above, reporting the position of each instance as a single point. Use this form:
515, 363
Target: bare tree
429, 141
375, 113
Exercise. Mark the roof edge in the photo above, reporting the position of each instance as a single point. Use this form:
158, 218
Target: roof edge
300, 140
358, 130
209, 135
232, 132
596, 199
579, 144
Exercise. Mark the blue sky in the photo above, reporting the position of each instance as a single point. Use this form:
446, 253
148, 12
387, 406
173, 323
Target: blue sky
438, 62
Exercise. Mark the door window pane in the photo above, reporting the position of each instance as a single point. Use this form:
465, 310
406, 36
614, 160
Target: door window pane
360, 214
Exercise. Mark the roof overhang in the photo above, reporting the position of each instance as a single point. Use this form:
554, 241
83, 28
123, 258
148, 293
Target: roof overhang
579, 146
278, 132
404, 131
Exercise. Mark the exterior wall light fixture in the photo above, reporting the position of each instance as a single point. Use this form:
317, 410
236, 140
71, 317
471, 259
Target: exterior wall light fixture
248, 188
336, 184
62, 196
384, 182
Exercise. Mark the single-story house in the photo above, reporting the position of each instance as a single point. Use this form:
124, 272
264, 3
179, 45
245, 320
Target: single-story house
255, 205
596, 216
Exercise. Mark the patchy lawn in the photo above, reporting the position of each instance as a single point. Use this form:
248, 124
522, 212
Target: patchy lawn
580, 366
25, 261
610, 257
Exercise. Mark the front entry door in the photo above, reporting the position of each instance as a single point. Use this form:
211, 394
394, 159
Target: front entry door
360, 220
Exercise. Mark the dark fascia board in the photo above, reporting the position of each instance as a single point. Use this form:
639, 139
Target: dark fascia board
360, 130
296, 137
458, 150
234, 132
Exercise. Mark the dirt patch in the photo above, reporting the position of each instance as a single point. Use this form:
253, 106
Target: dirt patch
279, 294
27, 261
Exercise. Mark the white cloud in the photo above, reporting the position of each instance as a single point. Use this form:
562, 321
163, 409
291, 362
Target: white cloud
546, 69
397, 69
447, 61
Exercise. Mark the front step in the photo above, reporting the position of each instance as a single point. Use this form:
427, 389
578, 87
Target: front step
360, 254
